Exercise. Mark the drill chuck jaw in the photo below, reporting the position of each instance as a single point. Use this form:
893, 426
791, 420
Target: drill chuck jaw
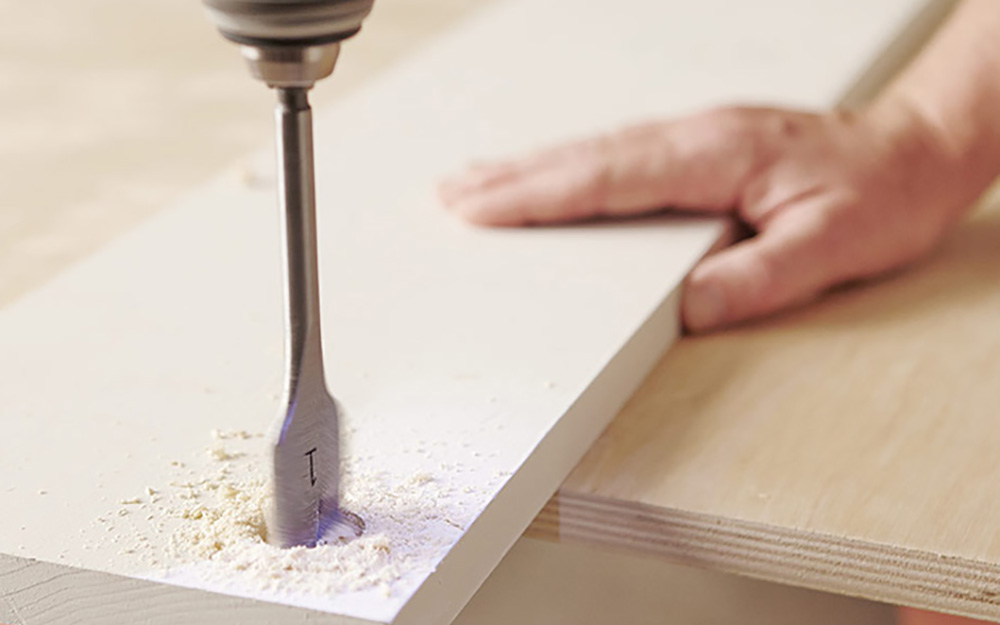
289, 43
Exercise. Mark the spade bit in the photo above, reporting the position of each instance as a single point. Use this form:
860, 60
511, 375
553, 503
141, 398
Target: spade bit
290, 44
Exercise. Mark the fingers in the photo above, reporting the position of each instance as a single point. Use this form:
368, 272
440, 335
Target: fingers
700, 162
790, 263
560, 184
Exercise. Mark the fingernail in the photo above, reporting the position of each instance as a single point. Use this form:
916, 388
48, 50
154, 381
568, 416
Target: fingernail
704, 306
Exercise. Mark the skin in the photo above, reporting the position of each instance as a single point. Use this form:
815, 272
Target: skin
831, 197
909, 616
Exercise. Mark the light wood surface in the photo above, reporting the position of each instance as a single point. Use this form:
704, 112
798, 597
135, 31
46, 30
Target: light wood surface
545, 583
849, 447
213, 119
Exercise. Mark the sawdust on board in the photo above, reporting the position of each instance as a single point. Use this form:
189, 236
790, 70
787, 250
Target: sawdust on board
215, 526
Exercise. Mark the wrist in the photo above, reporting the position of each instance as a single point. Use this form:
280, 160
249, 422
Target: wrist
950, 164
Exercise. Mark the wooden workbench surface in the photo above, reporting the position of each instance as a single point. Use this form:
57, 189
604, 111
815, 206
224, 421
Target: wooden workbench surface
848, 446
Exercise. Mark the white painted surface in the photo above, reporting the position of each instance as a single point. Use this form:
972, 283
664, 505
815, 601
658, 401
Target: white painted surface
490, 347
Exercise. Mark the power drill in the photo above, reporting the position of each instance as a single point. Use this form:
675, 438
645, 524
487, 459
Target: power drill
290, 44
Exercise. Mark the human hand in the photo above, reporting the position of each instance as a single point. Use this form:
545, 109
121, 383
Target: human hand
831, 197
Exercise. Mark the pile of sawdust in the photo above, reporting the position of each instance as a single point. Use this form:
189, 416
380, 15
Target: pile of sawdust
222, 525
217, 531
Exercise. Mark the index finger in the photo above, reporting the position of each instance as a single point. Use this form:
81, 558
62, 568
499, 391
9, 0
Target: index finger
701, 162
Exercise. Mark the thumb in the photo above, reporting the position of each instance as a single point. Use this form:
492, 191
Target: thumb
789, 263
699, 162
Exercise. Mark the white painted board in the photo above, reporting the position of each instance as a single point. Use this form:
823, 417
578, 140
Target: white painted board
476, 366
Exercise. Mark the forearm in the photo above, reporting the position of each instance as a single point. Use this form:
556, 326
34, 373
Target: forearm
953, 89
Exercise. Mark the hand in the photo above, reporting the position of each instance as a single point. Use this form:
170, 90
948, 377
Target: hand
832, 198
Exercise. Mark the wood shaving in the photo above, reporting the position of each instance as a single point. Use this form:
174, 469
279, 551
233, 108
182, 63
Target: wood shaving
217, 532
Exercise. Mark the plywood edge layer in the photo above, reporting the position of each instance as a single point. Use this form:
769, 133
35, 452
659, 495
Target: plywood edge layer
39, 593
822, 562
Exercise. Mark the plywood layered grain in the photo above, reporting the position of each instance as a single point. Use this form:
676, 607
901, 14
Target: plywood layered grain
849, 447
540, 583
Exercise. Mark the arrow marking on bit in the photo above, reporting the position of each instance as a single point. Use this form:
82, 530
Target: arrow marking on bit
312, 467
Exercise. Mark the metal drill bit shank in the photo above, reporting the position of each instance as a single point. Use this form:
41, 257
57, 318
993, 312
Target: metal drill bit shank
306, 449
290, 44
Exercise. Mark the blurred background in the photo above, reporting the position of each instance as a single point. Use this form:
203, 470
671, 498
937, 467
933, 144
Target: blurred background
109, 109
